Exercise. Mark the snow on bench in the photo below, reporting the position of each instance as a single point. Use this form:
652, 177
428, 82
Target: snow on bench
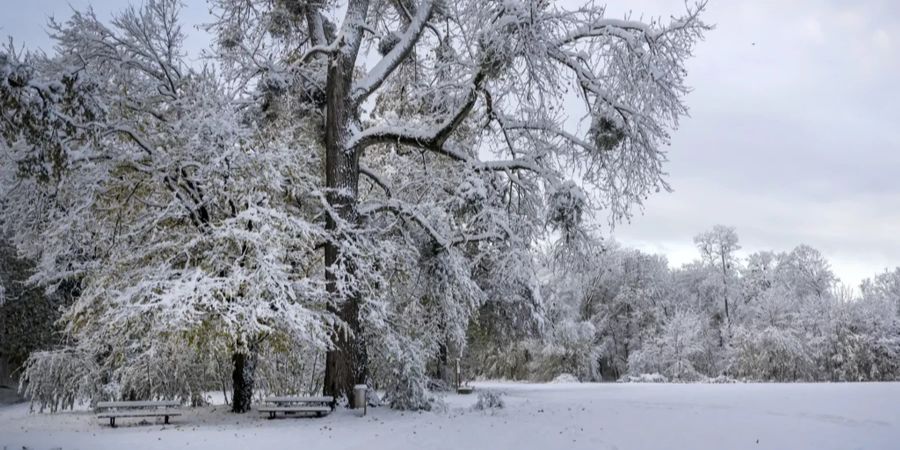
114, 410
294, 405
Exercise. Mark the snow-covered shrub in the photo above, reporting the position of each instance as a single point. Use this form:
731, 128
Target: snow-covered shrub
288, 367
771, 353
489, 399
373, 398
170, 369
409, 390
674, 352
400, 369
850, 354
500, 339
565, 378
721, 379
568, 348
508, 362
59, 379
861, 341
644, 378
174, 367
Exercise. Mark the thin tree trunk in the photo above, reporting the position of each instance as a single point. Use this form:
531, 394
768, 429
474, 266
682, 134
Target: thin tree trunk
223, 379
313, 387
725, 294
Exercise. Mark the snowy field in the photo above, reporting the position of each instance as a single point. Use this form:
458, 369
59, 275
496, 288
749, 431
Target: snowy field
536, 416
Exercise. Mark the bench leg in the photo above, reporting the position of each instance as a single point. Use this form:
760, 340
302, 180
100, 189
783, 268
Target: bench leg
112, 422
166, 420
271, 414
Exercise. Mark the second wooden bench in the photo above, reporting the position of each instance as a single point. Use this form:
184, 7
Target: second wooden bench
319, 406
114, 410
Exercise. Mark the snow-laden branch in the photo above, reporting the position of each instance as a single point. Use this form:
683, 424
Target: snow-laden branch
328, 49
370, 174
402, 210
589, 81
432, 138
548, 128
630, 31
315, 23
351, 31
397, 55
624, 29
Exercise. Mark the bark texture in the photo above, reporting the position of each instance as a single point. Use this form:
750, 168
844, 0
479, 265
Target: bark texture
346, 364
242, 380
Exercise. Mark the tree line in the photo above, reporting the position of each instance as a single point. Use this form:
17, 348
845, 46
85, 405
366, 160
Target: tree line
771, 316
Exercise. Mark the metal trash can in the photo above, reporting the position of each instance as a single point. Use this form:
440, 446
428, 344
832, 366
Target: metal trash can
359, 397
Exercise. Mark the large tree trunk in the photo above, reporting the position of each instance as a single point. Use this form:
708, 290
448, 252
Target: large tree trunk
346, 364
242, 380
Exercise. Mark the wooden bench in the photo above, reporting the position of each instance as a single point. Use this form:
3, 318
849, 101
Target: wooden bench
320, 406
114, 410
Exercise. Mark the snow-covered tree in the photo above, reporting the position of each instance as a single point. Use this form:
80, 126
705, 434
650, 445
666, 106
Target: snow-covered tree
807, 273
884, 287
860, 342
621, 311
359, 177
718, 249
758, 275
768, 344
567, 344
153, 186
628, 304
453, 112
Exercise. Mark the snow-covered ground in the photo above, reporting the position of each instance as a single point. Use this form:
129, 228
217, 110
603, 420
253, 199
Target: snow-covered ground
536, 416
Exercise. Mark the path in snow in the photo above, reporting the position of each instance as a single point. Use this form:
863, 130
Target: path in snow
536, 416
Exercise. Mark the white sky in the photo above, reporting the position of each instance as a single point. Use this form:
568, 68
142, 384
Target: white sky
794, 134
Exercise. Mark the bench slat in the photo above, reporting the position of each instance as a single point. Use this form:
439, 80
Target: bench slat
322, 399
138, 404
138, 414
271, 409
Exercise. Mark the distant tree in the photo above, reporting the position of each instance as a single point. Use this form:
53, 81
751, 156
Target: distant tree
884, 287
770, 343
718, 248
805, 271
758, 275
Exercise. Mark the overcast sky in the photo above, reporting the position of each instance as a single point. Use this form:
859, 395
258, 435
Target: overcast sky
794, 134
